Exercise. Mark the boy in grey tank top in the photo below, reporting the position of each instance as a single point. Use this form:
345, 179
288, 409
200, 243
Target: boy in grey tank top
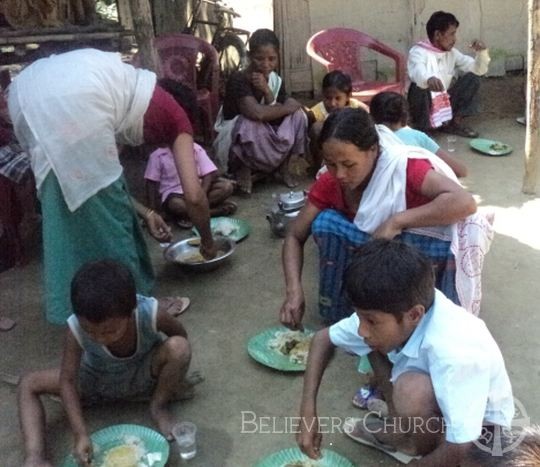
119, 346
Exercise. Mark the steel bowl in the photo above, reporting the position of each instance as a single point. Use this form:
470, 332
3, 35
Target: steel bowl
182, 253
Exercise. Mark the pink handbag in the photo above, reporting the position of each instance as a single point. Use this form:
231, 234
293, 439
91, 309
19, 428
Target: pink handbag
441, 109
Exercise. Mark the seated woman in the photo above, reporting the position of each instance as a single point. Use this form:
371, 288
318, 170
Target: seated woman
392, 110
259, 127
377, 187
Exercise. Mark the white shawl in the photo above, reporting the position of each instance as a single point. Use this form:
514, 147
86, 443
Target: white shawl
385, 196
70, 110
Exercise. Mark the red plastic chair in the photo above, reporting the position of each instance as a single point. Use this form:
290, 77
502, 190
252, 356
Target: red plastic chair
194, 63
341, 48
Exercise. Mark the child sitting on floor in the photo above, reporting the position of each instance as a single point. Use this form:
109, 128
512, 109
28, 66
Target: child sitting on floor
336, 93
163, 186
392, 110
448, 378
118, 346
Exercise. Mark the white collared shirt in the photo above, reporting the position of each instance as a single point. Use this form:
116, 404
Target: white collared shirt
422, 64
463, 360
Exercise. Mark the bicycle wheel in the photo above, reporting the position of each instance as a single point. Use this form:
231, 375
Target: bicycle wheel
232, 54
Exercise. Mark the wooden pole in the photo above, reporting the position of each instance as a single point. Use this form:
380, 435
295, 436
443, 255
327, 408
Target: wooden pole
533, 100
144, 34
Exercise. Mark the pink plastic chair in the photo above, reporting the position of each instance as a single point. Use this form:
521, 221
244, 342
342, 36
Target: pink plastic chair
340, 49
194, 63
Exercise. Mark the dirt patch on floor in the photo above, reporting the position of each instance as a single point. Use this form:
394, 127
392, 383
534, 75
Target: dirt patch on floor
503, 97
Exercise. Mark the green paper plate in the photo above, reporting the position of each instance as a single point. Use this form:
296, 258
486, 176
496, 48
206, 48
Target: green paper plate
287, 456
235, 229
490, 147
116, 435
258, 349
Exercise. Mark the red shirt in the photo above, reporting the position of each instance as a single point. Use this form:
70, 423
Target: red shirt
164, 119
326, 192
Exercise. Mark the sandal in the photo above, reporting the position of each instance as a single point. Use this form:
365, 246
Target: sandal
356, 429
459, 130
175, 306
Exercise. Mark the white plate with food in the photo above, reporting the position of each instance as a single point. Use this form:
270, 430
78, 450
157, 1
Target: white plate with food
490, 147
280, 348
126, 445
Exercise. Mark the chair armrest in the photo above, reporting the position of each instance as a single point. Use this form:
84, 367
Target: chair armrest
315, 56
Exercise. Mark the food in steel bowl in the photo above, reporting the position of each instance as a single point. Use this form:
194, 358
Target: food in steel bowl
187, 253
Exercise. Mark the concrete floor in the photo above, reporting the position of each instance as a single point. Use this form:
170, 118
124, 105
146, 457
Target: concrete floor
242, 298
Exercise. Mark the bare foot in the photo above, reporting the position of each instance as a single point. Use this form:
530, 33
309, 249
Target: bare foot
194, 377
36, 461
290, 180
227, 208
286, 177
163, 420
243, 180
379, 406
175, 306
186, 389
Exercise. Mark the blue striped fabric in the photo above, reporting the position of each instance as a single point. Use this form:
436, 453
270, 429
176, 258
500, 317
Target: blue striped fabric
14, 162
337, 238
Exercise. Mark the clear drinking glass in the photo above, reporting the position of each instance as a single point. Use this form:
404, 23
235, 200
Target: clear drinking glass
185, 435
451, 143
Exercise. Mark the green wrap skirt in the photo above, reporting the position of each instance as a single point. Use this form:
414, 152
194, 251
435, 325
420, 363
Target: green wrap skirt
104, 227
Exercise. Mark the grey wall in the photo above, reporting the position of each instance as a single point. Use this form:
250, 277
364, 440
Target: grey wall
501, 24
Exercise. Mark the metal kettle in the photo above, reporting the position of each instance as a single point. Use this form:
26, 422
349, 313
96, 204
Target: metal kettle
284, 210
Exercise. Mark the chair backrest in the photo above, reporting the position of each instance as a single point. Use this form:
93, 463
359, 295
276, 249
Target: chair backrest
341, 49
189, 60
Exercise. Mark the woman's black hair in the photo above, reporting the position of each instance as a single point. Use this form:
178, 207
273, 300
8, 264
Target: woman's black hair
440, 21
262, 37
339, 80
389, 276
389, 107
353, 126
103, 289
184, 95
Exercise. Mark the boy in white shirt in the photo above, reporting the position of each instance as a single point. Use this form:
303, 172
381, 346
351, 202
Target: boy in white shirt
432, 65
447, 373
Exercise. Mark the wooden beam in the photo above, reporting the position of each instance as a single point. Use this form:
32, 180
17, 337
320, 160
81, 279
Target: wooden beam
533, 100
35, 39
144, 34
124, 14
